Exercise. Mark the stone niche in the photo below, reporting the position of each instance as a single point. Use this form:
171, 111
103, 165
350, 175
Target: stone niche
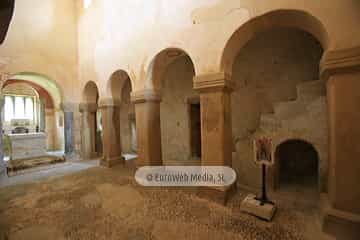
278, 95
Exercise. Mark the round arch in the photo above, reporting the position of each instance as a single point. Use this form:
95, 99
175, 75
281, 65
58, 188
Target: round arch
42, 82
40, 91
158, 65
116, 84
297, 161
274, 19
90, 93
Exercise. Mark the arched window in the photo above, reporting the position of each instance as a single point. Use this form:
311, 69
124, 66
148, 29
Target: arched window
29, 108
19, 107
9, 108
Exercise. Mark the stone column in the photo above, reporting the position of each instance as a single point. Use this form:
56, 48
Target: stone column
112, 154
2, 163
69, 131
147, 111
88, 131
342, 206
3, 78
216, 129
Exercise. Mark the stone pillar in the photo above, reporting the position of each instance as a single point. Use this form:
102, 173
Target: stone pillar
88, 131
147, 111
216, 129
2, 163
112, 154
342, 205
69, 131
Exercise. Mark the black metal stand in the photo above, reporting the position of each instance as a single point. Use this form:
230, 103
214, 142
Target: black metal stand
263, 199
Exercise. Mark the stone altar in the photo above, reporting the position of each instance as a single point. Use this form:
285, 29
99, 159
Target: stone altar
29, 145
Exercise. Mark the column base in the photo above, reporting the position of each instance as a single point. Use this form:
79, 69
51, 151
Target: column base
219, 195
340, 224
73, 156
111, 162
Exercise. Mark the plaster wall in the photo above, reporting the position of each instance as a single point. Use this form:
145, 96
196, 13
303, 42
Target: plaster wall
116, 34
42, 38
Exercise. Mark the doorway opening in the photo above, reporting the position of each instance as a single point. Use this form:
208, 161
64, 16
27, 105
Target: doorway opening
98, 134
195, 130
133, 140
298, 165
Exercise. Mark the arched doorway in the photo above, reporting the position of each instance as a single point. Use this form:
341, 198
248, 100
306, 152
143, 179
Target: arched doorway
128, 122
120, 88
297, 164
91, 126
31, 114
172, 72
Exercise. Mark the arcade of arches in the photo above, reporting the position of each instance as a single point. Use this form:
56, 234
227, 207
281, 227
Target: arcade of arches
195, 83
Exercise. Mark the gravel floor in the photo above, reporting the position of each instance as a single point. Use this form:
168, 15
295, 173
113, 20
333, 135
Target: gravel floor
101, 203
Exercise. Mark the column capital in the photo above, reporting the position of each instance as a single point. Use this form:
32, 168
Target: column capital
88, 107
340, 61
108, 102
213, 82
69, 106
147, 95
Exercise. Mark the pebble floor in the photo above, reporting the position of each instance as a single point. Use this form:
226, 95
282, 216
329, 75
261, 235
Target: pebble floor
99, 203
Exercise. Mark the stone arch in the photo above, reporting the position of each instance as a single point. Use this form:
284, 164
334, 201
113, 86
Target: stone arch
275, 19
116, 84
308, 150
41, 81
158, 65
91, 122
39, 90
49, 106
90, 93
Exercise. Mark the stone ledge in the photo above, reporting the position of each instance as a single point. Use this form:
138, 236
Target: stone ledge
149, 95
340, 61
220, 195
213, 82
343, 225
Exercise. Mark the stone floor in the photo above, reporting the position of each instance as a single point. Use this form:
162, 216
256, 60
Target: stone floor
99, 203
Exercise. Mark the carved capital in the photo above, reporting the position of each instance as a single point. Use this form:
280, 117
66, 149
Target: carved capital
69, 106
213, 82
340, 61
148, 95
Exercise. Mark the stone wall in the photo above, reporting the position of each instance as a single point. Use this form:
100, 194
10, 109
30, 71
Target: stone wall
174, 111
